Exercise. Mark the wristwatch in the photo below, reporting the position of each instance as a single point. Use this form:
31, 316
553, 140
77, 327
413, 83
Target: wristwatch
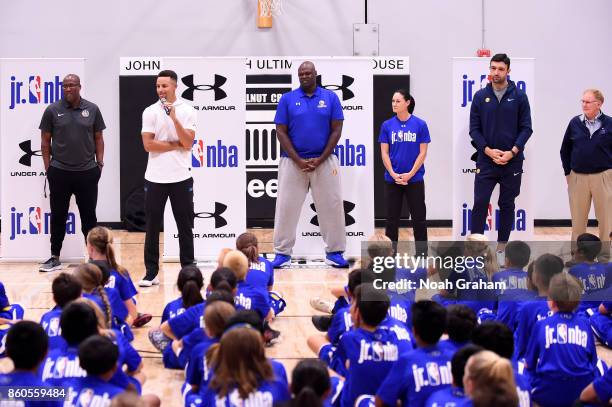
100, 164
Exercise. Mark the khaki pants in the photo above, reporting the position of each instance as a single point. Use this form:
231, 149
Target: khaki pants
293, 185
582, 188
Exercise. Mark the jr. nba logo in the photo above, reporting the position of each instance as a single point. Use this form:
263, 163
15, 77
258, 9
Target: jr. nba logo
433, 374
35, 220
197, 154
35, 93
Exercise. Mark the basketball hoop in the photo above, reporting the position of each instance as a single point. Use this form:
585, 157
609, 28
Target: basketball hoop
265, 10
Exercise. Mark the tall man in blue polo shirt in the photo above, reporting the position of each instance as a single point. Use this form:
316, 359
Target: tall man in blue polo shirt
500, 125
308, 126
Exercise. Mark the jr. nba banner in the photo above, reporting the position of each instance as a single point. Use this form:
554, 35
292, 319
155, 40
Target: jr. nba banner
215, 87
470, 75
27, 87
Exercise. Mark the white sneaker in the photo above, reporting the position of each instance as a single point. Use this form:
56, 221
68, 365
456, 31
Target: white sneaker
321, 305
148, 283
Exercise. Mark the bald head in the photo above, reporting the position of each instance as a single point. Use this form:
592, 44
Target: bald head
72, 78
71, 86
307, 64
307, 75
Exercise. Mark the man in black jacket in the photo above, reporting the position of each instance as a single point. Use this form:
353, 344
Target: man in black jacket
500, 125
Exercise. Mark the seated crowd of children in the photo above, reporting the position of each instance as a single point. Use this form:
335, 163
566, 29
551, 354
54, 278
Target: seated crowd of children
531, 343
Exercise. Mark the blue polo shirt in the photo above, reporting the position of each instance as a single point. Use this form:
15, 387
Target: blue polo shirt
308, 119
404, 139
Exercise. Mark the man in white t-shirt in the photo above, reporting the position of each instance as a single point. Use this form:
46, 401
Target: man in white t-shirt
168, 130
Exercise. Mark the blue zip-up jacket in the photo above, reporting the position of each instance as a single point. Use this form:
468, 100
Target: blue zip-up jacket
501, 125
584, 153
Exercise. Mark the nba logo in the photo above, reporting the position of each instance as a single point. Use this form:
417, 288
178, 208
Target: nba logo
54, 327
433, 374
35, 220
85, 397
592, 282
35, 92
197, 154
377, 351
561, 333
490, 217
484, 80
60, 367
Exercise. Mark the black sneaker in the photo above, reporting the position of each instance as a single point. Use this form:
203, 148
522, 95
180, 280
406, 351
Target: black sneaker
321, 322
271, 336
50, 265
142, 320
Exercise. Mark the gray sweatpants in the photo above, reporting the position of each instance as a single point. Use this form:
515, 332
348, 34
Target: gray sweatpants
293, 184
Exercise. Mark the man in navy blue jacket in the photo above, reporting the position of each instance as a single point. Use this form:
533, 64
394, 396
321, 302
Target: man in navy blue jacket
586, 155
500, 125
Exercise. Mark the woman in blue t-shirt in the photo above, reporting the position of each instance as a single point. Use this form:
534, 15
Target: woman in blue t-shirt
403, 145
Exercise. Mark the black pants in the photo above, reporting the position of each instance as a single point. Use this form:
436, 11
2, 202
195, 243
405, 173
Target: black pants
62, 185
415, 198
181, 200
509, 179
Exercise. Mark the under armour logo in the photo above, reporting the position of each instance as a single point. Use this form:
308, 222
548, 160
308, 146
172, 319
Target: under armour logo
216, 87
348, 208
344, 88
219, 210
26, 147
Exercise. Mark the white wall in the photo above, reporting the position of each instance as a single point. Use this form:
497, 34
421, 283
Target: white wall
570, 41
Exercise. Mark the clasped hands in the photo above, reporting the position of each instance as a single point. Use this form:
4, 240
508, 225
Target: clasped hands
402, 179
309, 164
499, 157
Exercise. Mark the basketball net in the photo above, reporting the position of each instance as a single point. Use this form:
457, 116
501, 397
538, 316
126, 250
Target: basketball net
265, 10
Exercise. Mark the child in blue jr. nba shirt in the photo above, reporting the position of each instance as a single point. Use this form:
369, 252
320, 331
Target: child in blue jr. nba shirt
251, 297
102, 253
336, 325
426, 369
371, 349
601, 322
546, 266
261, 272
517, 255
454, 396
192, 318
98, 357
243, 376
26, 346
600, 391
497, 337
9, 312
312, 386
247, 296
460, 322
65, 288
189, 283
594, 277
561, 356
216, 316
